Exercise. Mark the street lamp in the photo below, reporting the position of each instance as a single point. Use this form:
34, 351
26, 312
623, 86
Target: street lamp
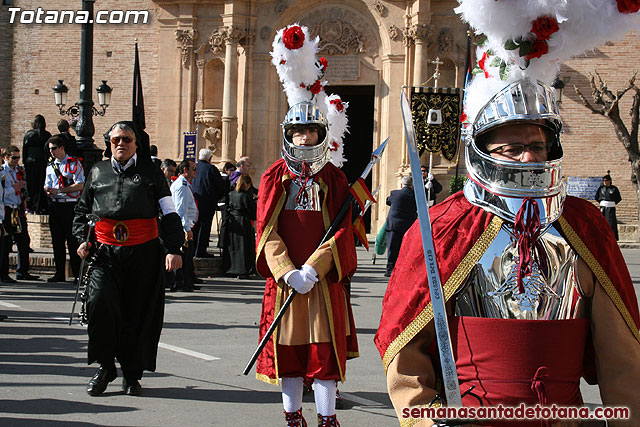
60, 94
84, 110
558, 85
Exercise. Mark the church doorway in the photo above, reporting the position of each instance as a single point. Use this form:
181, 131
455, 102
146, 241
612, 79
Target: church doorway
358, 143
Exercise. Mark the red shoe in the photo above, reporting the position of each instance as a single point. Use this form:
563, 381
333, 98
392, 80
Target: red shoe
328, 421
295, 419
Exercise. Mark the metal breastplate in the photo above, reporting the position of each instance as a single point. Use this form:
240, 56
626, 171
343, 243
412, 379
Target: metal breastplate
310, 203
551, 292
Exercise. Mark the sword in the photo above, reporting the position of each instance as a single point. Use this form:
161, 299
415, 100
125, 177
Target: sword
93, 220
375, 157
449, 373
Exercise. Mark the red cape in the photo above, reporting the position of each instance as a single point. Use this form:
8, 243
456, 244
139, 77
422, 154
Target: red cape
271, 198
461, 234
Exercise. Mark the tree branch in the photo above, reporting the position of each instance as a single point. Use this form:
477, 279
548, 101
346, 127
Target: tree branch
586, 103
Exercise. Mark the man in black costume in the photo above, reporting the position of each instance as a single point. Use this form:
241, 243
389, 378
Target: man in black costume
608, 196
125, 305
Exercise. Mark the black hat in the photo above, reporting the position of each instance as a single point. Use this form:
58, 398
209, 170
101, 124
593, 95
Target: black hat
142, 140
607, 176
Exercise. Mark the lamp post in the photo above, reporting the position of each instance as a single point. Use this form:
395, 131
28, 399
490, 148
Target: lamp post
558, 85
84, 109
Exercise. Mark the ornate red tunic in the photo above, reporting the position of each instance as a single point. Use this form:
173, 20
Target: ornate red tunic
301, 232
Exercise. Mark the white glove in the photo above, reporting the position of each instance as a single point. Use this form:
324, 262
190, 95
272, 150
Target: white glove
309, 273
297, 280
429, 184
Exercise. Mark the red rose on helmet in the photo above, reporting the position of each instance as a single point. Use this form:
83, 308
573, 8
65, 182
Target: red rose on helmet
323, 63
316, 87
539, 48
628, 6
544, 26
338, 104
293, 37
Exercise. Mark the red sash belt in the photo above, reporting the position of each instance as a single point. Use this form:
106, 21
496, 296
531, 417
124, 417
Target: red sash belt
127, 232
519, 361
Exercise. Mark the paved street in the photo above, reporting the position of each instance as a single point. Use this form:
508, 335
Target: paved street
207, 339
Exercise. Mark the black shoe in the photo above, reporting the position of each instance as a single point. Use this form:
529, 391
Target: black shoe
7, 279
131, 388
56, 279
387, 274
26, 276
98, 384
3, 317
197, 281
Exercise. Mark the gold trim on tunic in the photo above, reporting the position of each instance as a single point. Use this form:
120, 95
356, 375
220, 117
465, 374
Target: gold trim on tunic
600, 274
450, 287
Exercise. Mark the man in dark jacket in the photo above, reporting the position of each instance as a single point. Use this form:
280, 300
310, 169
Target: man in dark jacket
125, 296
207, 186
70, 143
34, 159
402, 214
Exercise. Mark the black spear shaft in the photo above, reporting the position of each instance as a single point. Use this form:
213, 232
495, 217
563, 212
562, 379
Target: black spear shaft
276, 320
330, 232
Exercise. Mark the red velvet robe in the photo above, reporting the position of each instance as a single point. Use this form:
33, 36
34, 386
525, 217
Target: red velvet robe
274, 187
460, 230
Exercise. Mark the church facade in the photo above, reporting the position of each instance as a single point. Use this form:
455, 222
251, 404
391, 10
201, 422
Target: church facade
206, 69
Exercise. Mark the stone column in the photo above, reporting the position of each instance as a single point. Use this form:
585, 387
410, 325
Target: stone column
420, 34
200, 63
229, 101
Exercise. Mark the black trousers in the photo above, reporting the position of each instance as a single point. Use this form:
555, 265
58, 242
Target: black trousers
125, 306
35, 175
183, 277
202, 232
21, 237
60, 223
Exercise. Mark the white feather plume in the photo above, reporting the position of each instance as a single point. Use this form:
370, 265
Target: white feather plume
583, 25
298, 70
337, 117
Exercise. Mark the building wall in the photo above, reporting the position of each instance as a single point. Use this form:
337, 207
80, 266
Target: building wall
590, 143
37, 55
6, 59
44, 53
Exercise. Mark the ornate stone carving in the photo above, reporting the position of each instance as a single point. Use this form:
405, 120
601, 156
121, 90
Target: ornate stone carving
395, 33
281, 6
445, 40
342, 31
212, 135
338, 38
230, 34
201, 63
265, 33
420, 32
379, 7
407, 38
416, 33
247, 37
185, 40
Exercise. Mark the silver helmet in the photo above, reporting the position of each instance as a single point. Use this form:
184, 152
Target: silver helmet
499, 186
305, 113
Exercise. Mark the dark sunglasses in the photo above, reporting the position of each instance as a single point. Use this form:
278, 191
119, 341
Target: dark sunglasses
125, 139
15, 157
53, 148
